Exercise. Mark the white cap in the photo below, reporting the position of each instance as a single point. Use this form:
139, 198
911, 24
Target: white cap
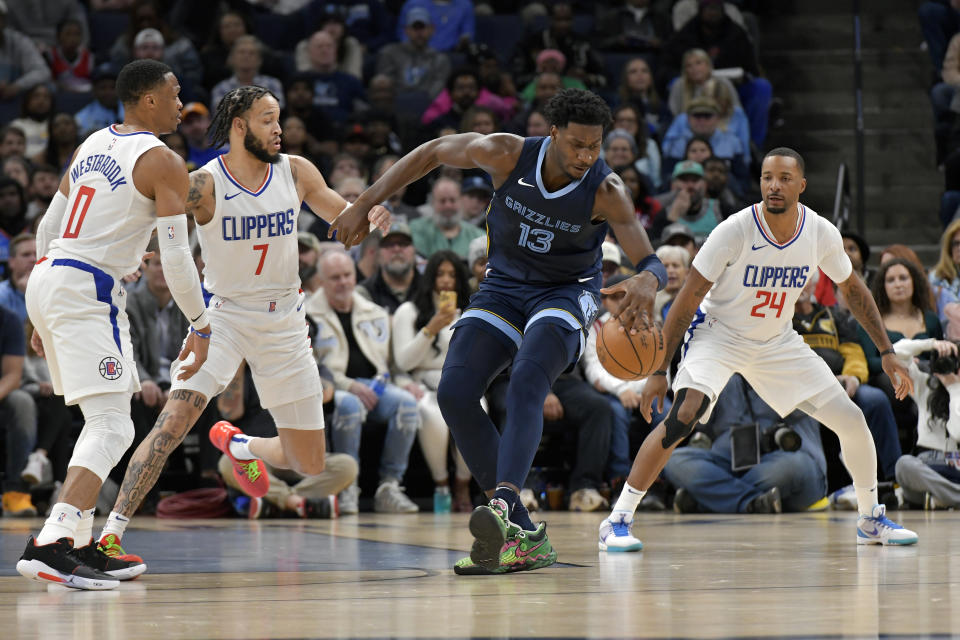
611, 252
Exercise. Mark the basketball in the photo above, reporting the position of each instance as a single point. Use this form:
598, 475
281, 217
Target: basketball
626, 356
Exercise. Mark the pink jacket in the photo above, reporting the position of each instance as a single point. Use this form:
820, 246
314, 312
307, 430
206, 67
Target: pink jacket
503, 107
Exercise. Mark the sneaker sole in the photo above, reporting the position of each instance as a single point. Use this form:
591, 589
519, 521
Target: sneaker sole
39, 571
633, 547
489, 534
130, 573
888, 543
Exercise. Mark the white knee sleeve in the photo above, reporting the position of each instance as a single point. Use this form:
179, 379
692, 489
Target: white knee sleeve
107, 433
844, 418
305, 414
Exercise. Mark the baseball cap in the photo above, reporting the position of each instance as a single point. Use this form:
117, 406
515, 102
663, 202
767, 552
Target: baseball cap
687, 168
194, 108
676, 231
476, 250
611, 252
703, 104
148, 36
398, 229
307, 239
476, 183
418, 14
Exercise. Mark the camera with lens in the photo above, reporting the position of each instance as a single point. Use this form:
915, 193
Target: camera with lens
779, 436
944, 364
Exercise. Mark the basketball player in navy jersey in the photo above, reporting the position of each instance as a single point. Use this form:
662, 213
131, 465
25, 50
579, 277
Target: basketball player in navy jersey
553, 202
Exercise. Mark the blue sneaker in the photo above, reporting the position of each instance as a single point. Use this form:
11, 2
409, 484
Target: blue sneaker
615, 535
878, 529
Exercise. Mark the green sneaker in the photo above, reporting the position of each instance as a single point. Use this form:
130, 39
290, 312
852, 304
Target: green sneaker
523, 551
466, 567
490, 528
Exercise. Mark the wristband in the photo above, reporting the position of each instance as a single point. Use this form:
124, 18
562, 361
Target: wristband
888, 352
652, 264
200, 334
659, 372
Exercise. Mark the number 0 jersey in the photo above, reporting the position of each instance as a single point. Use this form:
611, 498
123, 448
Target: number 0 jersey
543, 237
107, 222
756, 279
250, 245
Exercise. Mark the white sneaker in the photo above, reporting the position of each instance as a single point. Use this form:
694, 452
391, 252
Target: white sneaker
349, 500
38, 469
878, 529
529, 500
844, 499
587, 500
390, 498
615, 535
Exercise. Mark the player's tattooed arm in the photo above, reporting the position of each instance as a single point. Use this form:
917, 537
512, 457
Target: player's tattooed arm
230, 401
864, 308
681, 313
201, 196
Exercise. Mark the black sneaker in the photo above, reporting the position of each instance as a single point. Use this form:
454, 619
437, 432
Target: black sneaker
325, 508
768, 502
683, 502
116, 568
59, 563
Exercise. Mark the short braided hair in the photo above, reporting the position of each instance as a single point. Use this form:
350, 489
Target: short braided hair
233, 105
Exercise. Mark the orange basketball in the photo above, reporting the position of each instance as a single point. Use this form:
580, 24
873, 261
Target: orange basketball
626, 356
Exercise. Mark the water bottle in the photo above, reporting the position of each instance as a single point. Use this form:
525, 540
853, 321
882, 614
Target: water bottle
441, 500
379, 384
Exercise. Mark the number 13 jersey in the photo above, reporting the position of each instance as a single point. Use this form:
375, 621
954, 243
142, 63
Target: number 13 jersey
756, 279
250, 245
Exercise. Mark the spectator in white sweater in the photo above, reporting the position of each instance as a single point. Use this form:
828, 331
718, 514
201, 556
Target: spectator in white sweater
932, 477
422, 328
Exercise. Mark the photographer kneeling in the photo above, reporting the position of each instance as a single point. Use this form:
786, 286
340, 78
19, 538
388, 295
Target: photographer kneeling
772, 465
931, 478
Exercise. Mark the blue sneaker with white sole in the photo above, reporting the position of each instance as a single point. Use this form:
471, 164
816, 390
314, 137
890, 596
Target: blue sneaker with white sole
878, 529
615, 535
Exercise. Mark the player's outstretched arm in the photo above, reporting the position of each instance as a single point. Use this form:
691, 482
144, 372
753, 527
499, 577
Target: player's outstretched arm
613, 203
864, 309
496, 154
324, 201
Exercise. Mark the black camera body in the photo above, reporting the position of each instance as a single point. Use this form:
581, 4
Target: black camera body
944, 364
779, 436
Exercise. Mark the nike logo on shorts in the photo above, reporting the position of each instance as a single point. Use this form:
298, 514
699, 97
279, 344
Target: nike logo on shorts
231, 197
525, 184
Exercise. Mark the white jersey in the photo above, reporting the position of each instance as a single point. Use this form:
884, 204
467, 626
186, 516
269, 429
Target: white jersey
250, 246
757, 280
107, 222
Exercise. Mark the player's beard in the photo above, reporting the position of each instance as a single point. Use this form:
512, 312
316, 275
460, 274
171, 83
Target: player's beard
777, 210
258, 150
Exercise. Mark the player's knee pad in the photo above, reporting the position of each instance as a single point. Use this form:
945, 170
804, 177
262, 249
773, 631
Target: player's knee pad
677, 427
107, 433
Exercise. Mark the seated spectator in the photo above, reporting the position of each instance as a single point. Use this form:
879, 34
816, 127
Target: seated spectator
106, 108
18, 416
350, 188
945, 97
178, 144
546, 85
246, 60
13, 142
946, 274
402, 212
479, 119
858, 250
492, 77
43, 25
686, 10
380, 129
536, 124
931, 478
630, 118
687, 203
382, 93
44, 183
353, 340
632, 26
462, 92
446, 228
679, 235
21, 65
295, 140
413, 64
940, 298
23, 255
422, 328
336, 93
939, 21
698, 149
583, 62
309, 250
832, 334
477, 262
356, 143
475, 194
290, 491
349, 49
716, 173
346, 165
70, 60
620, 149
13, 221
645, 206
703, 119
19, 169
677, 262
781, 481
321, 136
35, 111
194, 124
637, 87
63, 138
368, 260
396, 278
454, 20
230, 26
551, 61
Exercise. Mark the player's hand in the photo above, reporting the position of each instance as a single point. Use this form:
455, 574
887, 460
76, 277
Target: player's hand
629, 399
36, 344
656, 387
380, 218
367, 395
198, 347
351, 226
636, 296
552, 409
150, 393
899, 375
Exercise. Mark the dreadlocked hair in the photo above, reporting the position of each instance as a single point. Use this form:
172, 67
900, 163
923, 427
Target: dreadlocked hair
233, 105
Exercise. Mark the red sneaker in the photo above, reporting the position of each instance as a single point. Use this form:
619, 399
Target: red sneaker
110, 545
250, 474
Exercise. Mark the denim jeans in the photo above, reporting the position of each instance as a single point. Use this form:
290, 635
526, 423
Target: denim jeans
397, 408
18, 417
883, 426
938, 22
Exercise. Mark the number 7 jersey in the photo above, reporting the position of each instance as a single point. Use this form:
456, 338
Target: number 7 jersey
250, 245
756, 279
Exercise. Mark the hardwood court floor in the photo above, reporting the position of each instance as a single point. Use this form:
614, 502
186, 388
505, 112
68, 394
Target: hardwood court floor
708, 576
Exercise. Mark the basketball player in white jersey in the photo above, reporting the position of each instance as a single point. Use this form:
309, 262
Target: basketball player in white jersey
735, 315
121, 184
246, 204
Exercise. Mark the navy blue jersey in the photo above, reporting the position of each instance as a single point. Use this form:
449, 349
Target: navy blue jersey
537, 236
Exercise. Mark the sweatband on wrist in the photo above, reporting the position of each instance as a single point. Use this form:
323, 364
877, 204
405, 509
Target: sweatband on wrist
888, 352
652, 264
200, 334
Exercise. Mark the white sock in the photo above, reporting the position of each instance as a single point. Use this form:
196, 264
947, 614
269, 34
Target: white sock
240, 447
866, 499
116, 524
62, 523
84, 528
628, 501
